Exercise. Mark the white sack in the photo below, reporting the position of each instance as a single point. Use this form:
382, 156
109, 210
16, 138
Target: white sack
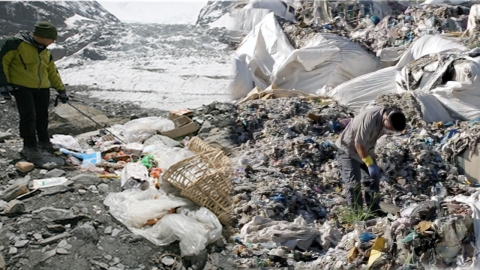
362, 90
326, 60
473, 16
426, 45
244, 80
267, 57
462, 100
241, 19
432, 109
275, 6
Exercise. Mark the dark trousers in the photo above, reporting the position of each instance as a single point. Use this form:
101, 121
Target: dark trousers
32, 107
355, 176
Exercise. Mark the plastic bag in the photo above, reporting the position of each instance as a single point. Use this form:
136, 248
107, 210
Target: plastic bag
134, 173
194, 228
141, 129
165, 155
208, 218
134, 207
66, 141
192, 234
140, 212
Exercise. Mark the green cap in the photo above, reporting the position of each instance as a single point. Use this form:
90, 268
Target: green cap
45, 30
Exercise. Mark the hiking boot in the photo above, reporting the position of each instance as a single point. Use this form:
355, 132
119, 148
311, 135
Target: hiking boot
32, 154
47, 146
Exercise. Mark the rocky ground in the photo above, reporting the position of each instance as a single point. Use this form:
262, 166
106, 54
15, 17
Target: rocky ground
287, 205
288, 209
68, 226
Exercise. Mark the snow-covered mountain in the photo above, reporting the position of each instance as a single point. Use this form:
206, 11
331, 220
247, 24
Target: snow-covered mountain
155, 65
216, 9
79, 23
22, 15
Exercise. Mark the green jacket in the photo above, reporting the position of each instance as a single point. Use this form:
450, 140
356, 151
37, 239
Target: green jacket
23, 63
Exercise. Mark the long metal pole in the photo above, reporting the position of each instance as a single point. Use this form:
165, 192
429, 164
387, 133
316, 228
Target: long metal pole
95, 122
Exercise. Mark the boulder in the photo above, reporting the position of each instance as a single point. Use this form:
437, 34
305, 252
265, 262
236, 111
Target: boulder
64, 119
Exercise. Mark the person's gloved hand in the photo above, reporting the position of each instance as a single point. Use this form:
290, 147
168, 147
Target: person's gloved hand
5, 92
62, 95
374, 171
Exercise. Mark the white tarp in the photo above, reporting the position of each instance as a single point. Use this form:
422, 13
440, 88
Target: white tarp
244, 19
473, 16
269, 58
360, 91
435, 105
448, 2
461, 93
426, 45
280, 8
462, 100
432, 108
241, 19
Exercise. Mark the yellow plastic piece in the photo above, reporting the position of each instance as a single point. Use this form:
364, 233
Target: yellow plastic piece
376, 252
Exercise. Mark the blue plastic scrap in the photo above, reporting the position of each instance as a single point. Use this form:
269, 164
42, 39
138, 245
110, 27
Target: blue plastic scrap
309, 140
410, 37
429, 141
375, 19
448, 136
327, 26
334, 126
448, 124
277, 198
367, 236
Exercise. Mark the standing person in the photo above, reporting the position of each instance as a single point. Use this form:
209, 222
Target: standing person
356, 145
28, 71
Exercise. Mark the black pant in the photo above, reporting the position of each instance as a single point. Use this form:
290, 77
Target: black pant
32, 107
353, 174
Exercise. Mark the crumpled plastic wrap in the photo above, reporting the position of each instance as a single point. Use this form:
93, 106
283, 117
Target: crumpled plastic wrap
289, 234
141, 129
194, 227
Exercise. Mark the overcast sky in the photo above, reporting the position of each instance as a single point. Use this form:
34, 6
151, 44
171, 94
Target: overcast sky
159, 11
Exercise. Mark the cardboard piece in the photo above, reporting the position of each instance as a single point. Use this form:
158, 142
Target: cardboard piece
183, 126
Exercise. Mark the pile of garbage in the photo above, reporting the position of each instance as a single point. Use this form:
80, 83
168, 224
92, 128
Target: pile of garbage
140, 154
288, 204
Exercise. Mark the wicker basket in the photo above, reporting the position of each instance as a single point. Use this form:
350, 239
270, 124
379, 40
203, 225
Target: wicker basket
204, 178
186, 172
213, 192
221, 161
197, 146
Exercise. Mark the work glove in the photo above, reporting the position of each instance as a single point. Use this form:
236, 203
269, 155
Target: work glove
5, 92
374, 171
62, 95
